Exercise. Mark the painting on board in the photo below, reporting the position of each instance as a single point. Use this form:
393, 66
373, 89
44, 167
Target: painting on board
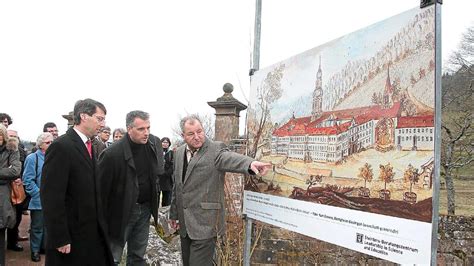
350, 123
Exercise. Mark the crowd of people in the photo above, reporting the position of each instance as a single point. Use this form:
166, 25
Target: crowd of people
89, 197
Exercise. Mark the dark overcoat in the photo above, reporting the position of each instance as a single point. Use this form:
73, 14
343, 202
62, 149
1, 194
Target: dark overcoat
119, 185
166, 179
71, 205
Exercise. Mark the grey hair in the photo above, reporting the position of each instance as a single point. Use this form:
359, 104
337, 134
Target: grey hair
105, 128
134, 114
191, 118
41, 138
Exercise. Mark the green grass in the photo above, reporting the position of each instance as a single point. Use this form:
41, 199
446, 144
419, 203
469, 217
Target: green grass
466, 171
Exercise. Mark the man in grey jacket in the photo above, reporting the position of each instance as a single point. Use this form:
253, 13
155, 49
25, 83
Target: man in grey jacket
197, 206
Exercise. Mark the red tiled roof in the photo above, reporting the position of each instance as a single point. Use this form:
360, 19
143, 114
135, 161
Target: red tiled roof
416, 121
303, 125
315, 131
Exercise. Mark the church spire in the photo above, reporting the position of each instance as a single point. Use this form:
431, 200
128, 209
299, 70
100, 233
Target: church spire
317, 107
387, 100
388, 83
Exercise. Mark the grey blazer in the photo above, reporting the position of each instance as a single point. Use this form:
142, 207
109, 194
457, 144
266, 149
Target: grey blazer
198, 203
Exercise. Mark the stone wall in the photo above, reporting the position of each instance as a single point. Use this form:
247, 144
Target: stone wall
456, 240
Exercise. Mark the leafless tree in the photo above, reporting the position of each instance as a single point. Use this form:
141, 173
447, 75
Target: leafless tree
464, 56
458, 115
259, 120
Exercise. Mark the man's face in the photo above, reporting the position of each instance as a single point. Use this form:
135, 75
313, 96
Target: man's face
104, 135
53, 131
139, 131
118, 135
193, 134
5, 122
93, 123
12, 134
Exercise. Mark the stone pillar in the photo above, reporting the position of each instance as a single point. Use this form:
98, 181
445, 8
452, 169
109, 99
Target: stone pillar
227, 115
69, 118
226, 129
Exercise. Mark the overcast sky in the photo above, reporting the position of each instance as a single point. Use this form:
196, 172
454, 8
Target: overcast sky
168, 58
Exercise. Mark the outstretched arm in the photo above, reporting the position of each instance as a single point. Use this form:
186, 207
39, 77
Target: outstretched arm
260, 168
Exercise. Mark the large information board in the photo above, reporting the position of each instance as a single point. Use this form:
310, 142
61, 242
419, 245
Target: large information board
349, 127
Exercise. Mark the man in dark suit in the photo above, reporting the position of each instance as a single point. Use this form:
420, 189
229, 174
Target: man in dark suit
129, 172
197, 205
73, 215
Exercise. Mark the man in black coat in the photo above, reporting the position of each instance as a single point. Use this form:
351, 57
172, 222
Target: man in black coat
129, 171
73, 215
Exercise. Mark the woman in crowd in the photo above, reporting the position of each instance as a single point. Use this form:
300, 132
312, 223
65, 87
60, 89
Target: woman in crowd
32, 181
166, 180
118, 134
10, 167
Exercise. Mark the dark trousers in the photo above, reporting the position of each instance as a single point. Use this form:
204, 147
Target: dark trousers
12, 233
2, 246
166, 198
136, 235
198, 252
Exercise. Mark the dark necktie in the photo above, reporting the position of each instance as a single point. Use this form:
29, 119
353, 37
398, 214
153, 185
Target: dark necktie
89, 147
191, 154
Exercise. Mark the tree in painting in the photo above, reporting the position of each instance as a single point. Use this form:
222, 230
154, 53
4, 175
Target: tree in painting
267, 93
386, 175
411, 175
366, 173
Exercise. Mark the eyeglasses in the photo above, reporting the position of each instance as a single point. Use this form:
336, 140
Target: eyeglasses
99, 119
48, 142
165, 142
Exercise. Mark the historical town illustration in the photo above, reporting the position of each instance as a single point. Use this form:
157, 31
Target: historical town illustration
351, 123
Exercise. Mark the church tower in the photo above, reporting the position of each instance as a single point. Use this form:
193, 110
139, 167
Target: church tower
317, 108
387, 101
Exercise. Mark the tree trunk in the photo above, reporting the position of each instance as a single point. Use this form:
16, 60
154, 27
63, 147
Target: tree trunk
448, 176
450, 191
